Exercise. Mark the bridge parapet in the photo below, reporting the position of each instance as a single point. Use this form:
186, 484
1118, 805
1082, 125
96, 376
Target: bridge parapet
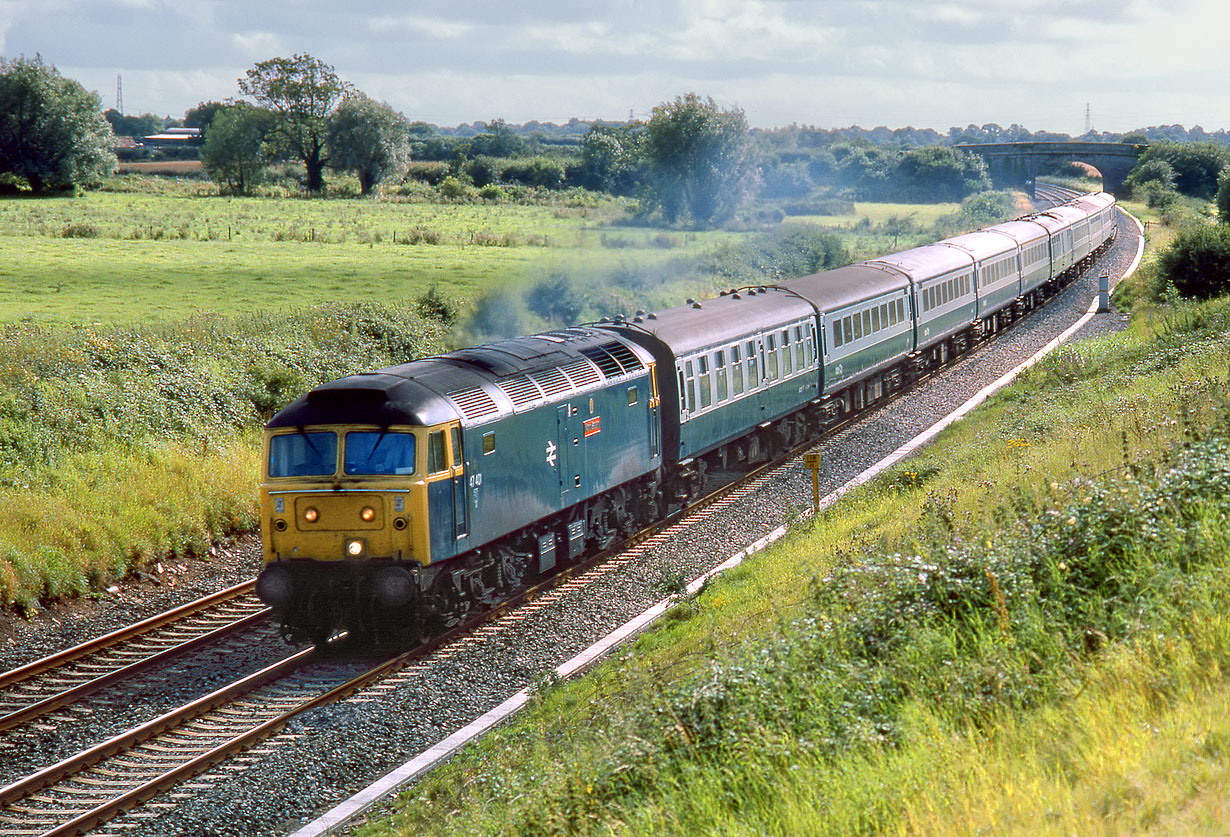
1018, 163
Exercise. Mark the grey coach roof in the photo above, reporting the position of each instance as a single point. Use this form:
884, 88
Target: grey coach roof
847, 285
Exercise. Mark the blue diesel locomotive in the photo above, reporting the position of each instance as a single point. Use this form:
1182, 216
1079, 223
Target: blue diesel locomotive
398, 500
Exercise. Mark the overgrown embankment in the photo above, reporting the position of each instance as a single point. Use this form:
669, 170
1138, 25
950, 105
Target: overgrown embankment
118, 446
955, 648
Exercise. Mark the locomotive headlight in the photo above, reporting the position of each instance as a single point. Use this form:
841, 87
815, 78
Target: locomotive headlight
354, 548
311, 515
368, 514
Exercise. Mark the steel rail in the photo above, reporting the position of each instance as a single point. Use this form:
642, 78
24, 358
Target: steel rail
128, 632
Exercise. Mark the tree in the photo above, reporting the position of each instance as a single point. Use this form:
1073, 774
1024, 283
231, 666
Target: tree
202, 115
1196, 165
1197, 264
133, 126
370, 139
610, 159
1223, 196
302, 92
233, 154
699, 160
52, 131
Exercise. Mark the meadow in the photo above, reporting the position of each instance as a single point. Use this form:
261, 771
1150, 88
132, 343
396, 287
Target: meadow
1021, 630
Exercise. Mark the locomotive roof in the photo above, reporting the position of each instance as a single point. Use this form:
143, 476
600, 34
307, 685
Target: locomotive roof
847, 285
475, 385
709, 322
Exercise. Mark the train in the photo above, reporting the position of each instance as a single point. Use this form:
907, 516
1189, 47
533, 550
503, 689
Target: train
397, 501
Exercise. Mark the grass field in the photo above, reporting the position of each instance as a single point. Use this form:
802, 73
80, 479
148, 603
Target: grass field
139, 257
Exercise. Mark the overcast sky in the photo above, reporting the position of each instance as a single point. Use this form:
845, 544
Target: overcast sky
830, 63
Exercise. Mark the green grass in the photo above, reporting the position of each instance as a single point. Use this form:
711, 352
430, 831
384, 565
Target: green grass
154, 257
877, 213
1021, 630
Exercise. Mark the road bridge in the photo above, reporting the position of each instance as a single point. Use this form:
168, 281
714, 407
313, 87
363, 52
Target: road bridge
1019, 163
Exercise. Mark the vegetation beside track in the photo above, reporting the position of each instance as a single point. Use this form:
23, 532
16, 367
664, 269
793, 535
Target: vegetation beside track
1020, 630
147, 331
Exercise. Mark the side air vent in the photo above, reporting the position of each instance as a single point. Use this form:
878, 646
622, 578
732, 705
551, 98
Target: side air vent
603, 360
626, 357
474, 403
581, 373
521, 390
552, 381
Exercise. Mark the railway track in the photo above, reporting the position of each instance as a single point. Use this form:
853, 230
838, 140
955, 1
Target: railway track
92, 787
82, 792
41, 687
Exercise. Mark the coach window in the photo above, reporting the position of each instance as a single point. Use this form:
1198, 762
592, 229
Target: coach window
753, 374
706, 386
858, 326
875, 319
719, 373
736, 371
787, 368
435, 453
800, 354
771, 352
691, 386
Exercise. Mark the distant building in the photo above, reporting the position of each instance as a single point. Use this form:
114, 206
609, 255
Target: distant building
175, 138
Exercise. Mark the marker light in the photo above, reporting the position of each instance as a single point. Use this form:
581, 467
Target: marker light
311, 515
368, 514
354, 548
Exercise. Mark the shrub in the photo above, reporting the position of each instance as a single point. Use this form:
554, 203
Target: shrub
80, 230
541, 172
491, 192
1196, 265
452, 188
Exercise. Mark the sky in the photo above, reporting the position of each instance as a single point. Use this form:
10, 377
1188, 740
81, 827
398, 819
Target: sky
827, 63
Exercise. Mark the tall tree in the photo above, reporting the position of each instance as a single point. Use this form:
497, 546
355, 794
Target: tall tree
233, 154
302, 93
699, 160
52, 131
370, 139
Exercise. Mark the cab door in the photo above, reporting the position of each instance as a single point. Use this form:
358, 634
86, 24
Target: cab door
460, 505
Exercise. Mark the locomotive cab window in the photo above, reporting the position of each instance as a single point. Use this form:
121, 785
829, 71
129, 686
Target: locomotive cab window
455, 443
436, 461
303, 454
378, 452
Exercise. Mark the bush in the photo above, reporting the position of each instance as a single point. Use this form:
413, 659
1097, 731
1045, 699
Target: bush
1196, 265
452, 188
431, 173
539, 171
1223, 196
491, 192
80, 230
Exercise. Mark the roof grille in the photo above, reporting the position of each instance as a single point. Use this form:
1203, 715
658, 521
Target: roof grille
581, 373
520, 390
626, 357
609, 365
552, 381
565, 335
474, 403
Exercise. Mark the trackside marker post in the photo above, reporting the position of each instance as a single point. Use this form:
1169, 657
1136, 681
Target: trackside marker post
812, 461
